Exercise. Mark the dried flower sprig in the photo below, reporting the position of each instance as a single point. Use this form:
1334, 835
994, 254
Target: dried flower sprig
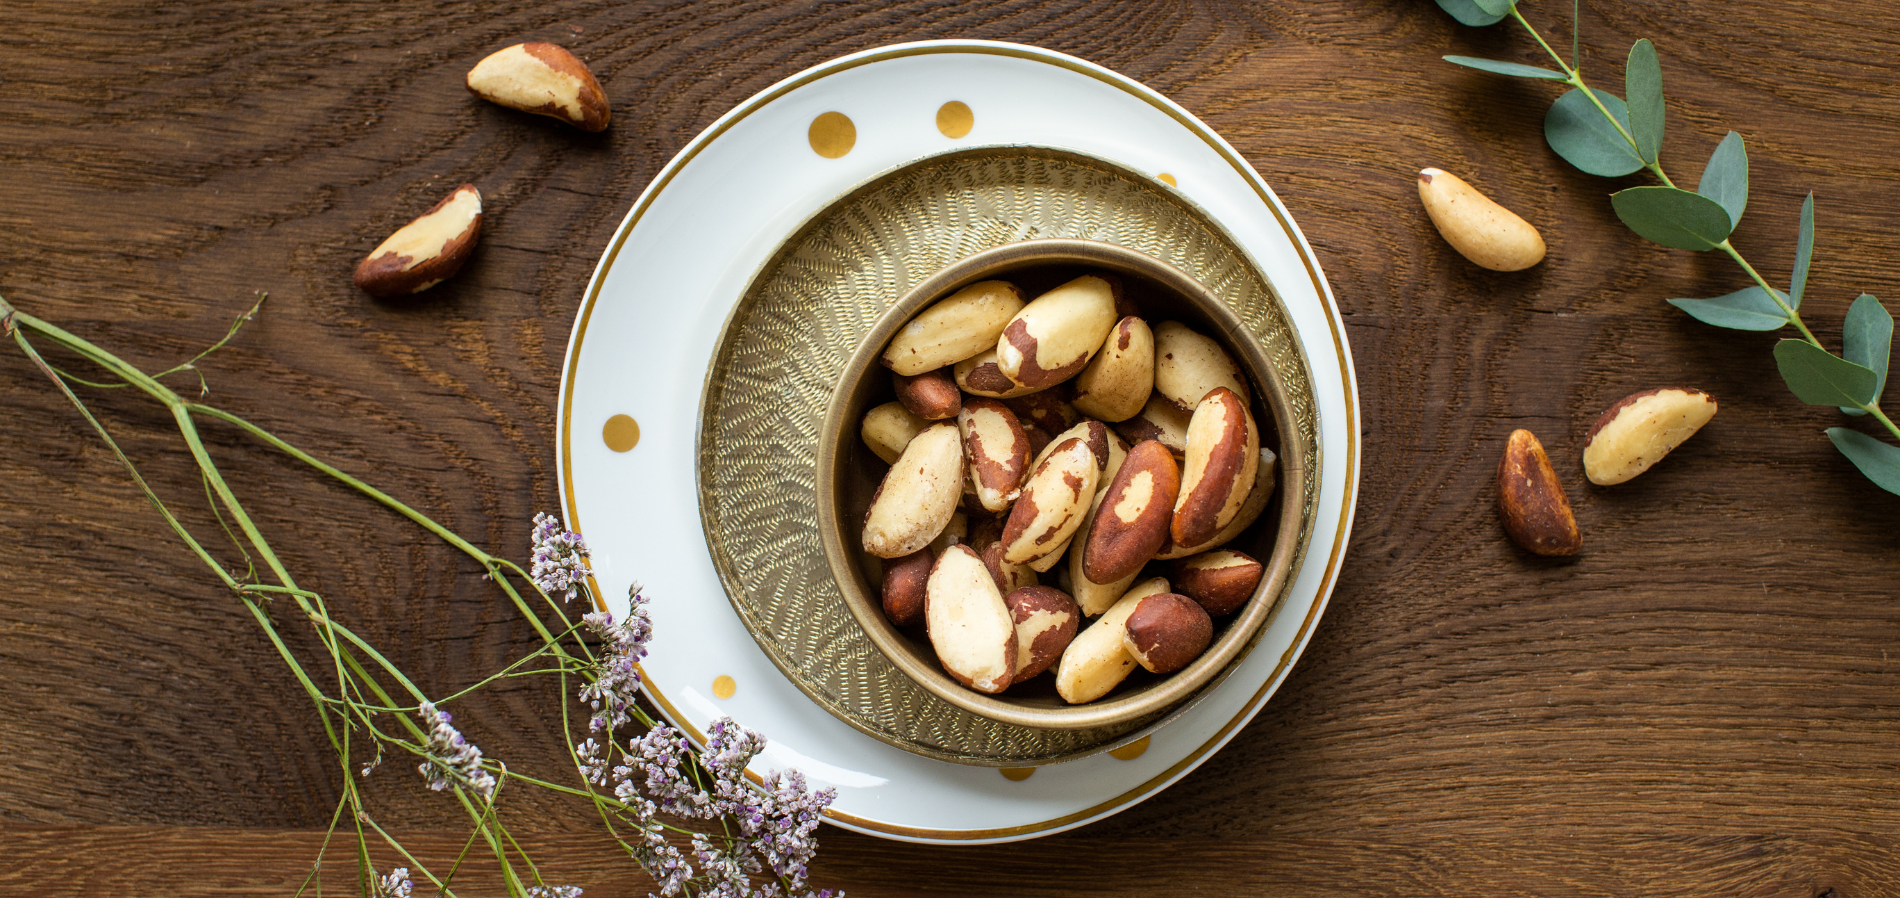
1603, 134
762, 838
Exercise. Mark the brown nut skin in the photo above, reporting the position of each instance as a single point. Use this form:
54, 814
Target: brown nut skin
1095, 434
1048, 409
1053, 502
1158, 420
980, 375
1531, 502
1054, 336
1135, 514
1096, 660
1117, 382
1189, 365
1008, 577
969, 626
1167, 632
903, 593
1046, 620
1266, 479
544, 79
1640, 429
998, 450
425, 251
1221, 581
1223, 457
932, 395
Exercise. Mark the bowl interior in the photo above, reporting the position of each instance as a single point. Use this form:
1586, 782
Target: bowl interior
849, 473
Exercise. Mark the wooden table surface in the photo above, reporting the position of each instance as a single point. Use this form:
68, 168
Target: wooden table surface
1701, 703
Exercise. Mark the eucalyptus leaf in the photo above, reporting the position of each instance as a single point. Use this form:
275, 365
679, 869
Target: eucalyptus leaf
1673, 217
1867, 339
1819, 377
1747, 309
1642, 82
1468, 12
1496, 7
1803, 251
1577, 130
1514, 69
1725, 178
1879, 461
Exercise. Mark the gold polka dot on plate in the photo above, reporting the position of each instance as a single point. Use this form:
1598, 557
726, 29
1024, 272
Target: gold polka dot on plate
954, 119
1167, 179
621, 433
832, 135
724, 687
1017, 774
1132, 750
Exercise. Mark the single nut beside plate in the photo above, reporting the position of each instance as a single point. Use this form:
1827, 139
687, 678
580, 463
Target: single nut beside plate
1221, 581
1488, 234
543, 79
918, 494
1640, 429
1166, 632
1053, 336
1046, 620
426, 251
1531, 501
1116, 383
955, 328
970, 628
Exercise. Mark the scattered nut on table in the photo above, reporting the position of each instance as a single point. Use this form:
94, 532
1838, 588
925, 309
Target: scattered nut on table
544, 79
426, 251
1531, 501
1488, 234
1640, 429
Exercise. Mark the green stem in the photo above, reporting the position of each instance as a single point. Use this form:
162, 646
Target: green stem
1574, 77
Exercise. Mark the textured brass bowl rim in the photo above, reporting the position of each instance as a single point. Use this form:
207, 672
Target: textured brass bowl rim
839, 538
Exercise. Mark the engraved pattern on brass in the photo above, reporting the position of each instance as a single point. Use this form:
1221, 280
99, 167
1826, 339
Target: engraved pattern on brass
781, 356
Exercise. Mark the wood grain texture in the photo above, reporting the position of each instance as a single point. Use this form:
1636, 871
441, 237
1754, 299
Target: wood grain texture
1703, 702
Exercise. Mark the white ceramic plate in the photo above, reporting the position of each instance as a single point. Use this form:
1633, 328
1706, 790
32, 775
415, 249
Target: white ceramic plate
653, 313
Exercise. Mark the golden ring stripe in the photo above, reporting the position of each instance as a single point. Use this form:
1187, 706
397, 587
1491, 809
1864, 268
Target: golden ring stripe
1329, 575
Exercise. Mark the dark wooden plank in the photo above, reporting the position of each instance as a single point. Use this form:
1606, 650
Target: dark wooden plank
1702, 703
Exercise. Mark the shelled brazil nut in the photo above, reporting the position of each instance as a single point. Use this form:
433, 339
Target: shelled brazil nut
1065, 435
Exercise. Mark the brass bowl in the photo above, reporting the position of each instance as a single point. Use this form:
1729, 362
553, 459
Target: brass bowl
848, 475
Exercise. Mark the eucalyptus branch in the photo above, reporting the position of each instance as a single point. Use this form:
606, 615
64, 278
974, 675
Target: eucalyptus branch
1610, 136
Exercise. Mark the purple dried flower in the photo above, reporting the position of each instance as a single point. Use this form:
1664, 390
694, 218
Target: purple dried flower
554, 892
560, 564
614, 682
452, 758
395, 885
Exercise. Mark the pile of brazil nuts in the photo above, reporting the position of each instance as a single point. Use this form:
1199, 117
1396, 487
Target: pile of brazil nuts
1064, 434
